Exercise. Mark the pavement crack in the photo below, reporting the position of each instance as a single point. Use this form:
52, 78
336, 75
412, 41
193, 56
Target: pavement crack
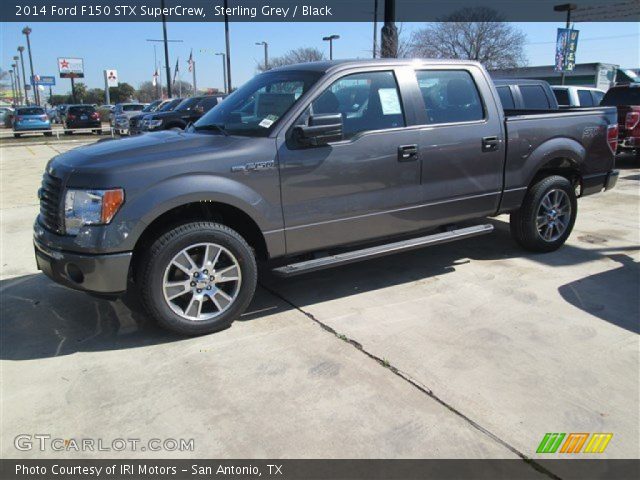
416, 384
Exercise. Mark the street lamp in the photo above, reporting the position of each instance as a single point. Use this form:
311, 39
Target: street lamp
266, 54
565, 7
24, 78
13, 84
224, 69
330, 39
16, 69
36, 95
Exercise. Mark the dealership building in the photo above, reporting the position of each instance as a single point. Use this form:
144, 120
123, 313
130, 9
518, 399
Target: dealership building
598, 75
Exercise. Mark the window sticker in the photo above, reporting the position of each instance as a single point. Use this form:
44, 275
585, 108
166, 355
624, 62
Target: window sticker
268, 121
389, 101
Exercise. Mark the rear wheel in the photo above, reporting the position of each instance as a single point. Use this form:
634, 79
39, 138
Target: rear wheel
16, 135
48, 134
547, 215
198, 278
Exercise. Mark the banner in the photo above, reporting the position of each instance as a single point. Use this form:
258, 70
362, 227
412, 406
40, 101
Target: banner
566, 45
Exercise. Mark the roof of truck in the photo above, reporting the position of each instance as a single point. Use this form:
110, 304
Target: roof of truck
327, 65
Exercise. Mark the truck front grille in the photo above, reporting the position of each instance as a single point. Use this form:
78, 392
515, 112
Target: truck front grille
50, 199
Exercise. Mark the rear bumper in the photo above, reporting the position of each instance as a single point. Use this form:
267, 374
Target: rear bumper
596, 183
32, 128
90, 273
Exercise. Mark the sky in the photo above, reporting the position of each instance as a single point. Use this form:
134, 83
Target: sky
123, 46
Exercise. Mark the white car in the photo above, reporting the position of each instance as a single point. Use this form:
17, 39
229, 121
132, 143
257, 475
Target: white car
121, 114
572, 96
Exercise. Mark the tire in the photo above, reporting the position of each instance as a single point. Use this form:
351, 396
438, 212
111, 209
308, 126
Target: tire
158, 268
98, 132
529, 228
48, 134
16, 135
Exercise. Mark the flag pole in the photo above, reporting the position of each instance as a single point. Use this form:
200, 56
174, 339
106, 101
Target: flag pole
195, 88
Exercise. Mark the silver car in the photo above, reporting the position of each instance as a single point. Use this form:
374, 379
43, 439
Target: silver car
121, 114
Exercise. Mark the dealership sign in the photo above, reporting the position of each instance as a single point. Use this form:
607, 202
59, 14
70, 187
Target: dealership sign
44, 80
71, 67
566, 46
111, 77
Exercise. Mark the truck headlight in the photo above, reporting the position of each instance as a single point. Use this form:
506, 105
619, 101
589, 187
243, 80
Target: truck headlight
90, 207
154, 123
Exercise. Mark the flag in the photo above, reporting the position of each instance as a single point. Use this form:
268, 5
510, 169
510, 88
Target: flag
155, 77
190, 61
175, 72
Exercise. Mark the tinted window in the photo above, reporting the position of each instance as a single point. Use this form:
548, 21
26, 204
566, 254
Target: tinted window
208, 103
30, 111
597, 96
170, 105
622, 96
87, 110
534, 97
366, 101
584, 97
188, 104
562, 95
506, 98
132, 108
450, 96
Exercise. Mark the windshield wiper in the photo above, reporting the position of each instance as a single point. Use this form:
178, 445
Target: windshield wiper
211, 126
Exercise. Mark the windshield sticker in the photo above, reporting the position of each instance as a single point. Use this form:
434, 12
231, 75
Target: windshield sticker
389, 101
266, 123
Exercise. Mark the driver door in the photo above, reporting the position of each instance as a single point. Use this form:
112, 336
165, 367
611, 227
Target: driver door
354, 189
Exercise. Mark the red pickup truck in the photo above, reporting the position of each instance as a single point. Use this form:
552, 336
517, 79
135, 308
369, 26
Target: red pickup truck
627, 100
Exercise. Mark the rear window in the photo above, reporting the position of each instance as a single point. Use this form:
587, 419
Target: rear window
506, 98
82, 110
585, 99
534, 97
30, 111
208, 103
622, 96
562, 96
132, 108
597, 96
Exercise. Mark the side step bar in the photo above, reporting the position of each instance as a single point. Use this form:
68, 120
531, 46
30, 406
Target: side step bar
380, 250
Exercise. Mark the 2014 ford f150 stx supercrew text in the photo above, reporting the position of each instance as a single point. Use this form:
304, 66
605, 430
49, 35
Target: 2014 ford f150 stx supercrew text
311, 166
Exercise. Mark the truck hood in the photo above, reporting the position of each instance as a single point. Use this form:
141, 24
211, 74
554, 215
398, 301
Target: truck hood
145, 151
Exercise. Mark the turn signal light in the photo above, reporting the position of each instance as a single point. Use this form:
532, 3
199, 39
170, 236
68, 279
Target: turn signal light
111, 202
612, 137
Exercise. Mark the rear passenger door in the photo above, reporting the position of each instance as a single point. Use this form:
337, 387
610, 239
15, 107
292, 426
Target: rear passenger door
461, 145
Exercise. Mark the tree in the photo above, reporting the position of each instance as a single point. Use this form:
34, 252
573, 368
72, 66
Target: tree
148, 93
94, 95
477, 33
122, 93
298, 55
182, 88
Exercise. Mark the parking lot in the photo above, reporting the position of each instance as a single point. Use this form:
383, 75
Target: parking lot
474, 349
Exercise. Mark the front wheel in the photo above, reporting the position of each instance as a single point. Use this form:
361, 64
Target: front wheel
198, 278
547, 215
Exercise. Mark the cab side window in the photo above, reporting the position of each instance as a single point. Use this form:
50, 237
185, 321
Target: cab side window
506, 98
366, 101
450, 96
584, 96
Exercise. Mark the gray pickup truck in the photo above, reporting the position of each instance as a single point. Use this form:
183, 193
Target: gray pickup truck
311, 166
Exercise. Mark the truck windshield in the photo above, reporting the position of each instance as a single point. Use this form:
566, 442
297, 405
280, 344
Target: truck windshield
254, 108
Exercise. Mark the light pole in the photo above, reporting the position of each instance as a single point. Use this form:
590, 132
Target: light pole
389, 40
16, 68
266, 54
13, 85
224, 70
36, 94
24, 79
565, 7
228, 48
375, 28
330, 39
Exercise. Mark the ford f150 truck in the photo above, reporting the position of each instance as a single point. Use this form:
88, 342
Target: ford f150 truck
311, 166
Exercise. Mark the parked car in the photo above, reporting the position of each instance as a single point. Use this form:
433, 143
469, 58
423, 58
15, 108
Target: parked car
122, 113
6, 114
62, 109
525, 94
626, 98
134, 122
82, 116
288, 171
188, 111
572, 96
31, 119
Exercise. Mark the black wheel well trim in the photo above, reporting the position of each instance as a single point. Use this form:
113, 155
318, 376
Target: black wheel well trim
199, 211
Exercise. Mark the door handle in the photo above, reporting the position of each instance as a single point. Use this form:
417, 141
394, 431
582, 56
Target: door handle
406, 153
490, 144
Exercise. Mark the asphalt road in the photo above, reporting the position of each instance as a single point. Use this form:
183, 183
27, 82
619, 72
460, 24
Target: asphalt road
474, 349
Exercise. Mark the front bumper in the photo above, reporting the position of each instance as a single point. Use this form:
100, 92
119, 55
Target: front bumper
105, 274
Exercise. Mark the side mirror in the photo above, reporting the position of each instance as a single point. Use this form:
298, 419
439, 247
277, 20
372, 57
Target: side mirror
322, 129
